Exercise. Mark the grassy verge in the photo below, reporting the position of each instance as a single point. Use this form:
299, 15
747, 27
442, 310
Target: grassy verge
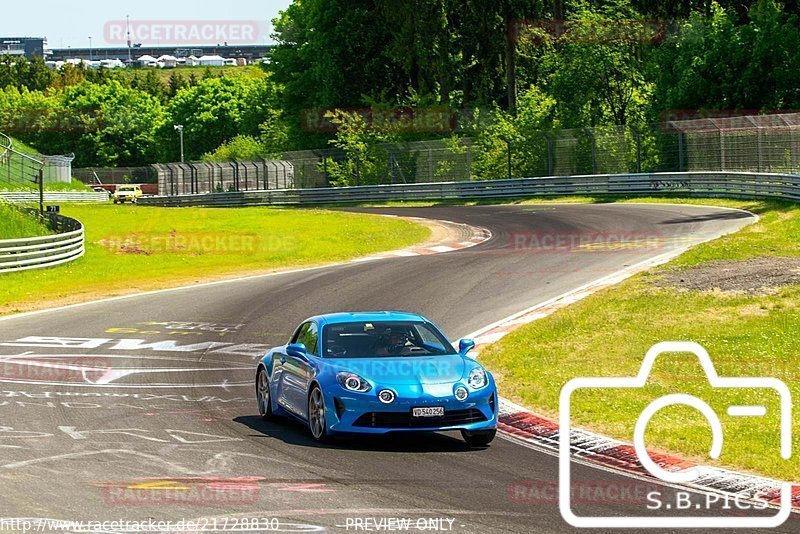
608, 334
131, 249
74, 185
15, 224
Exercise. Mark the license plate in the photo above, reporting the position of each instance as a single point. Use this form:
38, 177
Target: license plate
428, 411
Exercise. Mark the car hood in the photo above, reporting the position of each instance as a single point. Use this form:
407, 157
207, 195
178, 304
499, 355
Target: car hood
411, 370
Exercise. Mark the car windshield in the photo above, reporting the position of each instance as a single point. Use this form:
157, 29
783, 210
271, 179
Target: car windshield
386, 339
127, 189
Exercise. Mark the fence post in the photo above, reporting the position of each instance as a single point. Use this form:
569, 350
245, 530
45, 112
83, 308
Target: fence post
590, 134
469, 163
550, 154
41, 193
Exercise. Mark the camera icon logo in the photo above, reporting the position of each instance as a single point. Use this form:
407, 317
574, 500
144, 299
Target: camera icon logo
687, 476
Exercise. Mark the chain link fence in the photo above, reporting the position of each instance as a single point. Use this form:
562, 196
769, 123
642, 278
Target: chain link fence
21, 171
204, 177
761, 143
118, 175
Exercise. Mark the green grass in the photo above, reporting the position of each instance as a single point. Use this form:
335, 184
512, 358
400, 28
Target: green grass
164, 74
75, 185
131, 249
609, 333
15, 224
19, 146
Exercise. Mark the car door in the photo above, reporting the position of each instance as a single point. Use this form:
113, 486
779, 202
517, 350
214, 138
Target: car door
279, 378
298, 372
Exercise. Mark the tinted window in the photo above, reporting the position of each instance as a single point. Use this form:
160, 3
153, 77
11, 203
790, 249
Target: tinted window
381, 339
300, 333
311, 338
308, 335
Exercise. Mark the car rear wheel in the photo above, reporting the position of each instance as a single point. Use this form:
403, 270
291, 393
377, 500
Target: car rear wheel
316, 415
263, 396
478, 438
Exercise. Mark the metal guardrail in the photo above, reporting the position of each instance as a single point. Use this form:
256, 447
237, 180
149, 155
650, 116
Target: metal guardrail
45, 251
704, 184
23, 197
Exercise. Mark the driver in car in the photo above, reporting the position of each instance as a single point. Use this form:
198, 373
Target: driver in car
394, 343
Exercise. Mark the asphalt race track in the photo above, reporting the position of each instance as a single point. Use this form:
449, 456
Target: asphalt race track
151, 413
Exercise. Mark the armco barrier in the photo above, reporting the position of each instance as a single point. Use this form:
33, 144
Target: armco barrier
24, 197
46, 251
705, 184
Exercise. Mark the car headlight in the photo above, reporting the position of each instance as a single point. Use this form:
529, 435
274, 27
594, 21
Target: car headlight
477, 378
387, 396
353, 382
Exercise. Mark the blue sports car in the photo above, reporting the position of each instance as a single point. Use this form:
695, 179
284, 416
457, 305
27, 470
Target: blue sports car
377, 372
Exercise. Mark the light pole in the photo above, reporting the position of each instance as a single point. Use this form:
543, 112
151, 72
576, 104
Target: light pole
90, 48
179, 129
128, 29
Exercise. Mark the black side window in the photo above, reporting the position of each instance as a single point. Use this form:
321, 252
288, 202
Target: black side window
312, 338
308, 335
300, 335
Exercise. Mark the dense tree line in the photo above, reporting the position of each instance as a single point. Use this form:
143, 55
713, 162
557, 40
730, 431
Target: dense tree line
516, 66
115, 118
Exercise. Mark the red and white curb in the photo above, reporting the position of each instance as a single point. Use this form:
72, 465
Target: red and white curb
477, 236
521, 424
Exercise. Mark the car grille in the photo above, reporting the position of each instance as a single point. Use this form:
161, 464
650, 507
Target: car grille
404, 419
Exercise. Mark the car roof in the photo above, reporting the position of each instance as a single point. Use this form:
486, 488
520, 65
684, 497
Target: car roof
355, 317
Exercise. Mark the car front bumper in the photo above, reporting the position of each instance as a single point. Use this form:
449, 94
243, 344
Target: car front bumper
365, 414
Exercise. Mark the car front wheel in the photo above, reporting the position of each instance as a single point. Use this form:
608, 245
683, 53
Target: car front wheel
478, 438
316, 415
263, 396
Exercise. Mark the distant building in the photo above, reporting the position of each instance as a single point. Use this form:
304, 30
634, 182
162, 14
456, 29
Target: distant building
212, 61
167, 62
29, 47
146, 61
250, 52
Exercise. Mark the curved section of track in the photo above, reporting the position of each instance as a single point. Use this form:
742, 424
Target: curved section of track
145, 407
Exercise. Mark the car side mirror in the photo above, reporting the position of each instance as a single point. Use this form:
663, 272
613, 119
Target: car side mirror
465, 345
297, 350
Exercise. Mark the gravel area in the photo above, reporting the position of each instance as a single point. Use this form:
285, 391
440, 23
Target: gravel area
757, 276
